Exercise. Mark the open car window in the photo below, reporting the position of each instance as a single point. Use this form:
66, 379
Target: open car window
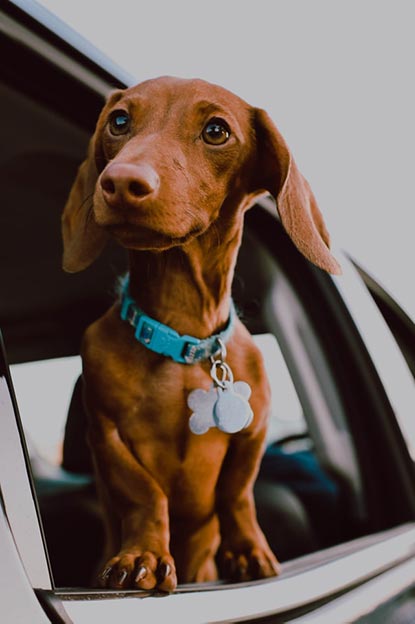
312, 435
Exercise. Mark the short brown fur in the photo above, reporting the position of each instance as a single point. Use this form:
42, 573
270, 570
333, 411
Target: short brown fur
178, 505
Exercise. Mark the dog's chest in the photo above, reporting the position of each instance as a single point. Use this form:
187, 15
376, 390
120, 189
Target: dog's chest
163, 443
156, 429
146, 398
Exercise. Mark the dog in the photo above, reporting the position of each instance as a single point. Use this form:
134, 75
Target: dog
175, 388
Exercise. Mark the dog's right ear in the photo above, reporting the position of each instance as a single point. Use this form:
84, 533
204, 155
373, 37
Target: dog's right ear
83, 239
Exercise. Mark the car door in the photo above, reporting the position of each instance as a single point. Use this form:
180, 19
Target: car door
350, 387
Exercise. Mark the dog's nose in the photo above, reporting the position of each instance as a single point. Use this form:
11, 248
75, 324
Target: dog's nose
126, 184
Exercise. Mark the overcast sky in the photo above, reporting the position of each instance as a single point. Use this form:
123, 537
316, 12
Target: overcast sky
336, 76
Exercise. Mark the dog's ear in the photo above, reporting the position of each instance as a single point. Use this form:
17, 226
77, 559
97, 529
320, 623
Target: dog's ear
277, 173
83, 239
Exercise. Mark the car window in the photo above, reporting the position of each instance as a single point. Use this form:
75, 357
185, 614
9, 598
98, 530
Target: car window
310, 463
48, 385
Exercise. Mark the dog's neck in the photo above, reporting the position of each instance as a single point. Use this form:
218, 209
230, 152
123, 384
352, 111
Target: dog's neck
188, 288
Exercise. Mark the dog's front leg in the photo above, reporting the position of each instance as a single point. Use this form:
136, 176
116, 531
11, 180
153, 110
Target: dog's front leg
244, 553
138, 509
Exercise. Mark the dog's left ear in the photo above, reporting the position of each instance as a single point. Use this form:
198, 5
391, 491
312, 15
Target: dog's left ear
277, 173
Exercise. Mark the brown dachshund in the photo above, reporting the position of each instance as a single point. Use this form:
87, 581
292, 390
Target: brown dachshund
171, 169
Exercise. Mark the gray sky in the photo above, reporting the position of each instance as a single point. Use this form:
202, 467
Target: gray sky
336, 76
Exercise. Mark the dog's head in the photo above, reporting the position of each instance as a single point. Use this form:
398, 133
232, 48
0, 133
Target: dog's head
168, 158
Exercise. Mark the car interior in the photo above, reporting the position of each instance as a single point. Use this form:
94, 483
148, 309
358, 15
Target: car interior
315, 488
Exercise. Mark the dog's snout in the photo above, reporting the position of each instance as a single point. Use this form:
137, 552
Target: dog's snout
128, 184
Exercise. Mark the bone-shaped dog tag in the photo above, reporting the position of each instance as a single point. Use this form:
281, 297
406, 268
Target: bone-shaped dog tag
202, 403
232, 412
225, 408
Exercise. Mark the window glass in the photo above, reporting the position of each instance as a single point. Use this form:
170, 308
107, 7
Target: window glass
44, 390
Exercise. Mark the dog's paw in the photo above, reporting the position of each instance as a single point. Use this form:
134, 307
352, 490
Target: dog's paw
129, 570
247, 564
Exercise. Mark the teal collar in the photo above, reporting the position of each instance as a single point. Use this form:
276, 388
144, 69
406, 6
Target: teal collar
166, 341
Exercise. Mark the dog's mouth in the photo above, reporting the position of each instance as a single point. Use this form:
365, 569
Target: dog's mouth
143, 238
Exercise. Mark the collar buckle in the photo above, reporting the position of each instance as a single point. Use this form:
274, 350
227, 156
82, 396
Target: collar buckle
166, 341
194, 350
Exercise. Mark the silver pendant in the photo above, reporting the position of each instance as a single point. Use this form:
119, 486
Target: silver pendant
232, 412
225, 405
225, 408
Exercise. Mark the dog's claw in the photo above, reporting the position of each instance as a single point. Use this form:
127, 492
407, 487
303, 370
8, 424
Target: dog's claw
242, 569
121, 577
248, 565
139, 570
276, 566
257, 564
141, 574
164, 570
105, 574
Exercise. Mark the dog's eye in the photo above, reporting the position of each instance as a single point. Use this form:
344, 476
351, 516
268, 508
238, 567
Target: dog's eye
216, 132
119, 122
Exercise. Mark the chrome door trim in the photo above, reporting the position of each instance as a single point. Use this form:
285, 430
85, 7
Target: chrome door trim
383, 350
247, 602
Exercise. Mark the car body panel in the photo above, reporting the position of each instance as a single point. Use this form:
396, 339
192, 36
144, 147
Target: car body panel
375, 601
17, 598
17, 490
